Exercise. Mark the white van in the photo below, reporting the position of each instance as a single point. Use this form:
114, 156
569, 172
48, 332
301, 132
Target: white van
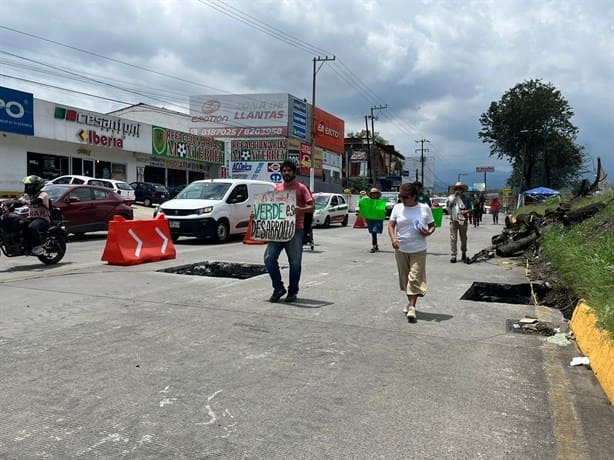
213, 208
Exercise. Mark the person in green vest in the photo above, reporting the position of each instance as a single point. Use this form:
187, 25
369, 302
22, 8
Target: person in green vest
373, 209
422, 196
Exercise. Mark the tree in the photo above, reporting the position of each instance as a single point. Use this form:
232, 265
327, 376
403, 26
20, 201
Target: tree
363, 134
531, 127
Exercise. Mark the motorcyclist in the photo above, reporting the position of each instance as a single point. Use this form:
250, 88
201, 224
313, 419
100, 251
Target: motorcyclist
38, 218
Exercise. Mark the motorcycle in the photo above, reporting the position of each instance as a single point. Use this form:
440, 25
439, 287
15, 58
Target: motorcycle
12, 236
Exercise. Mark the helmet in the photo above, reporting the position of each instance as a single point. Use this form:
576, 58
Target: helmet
33, 184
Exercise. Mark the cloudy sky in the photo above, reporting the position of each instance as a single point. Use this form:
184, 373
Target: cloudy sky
436, 65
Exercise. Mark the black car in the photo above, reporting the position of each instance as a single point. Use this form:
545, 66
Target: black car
174, 190
149, 193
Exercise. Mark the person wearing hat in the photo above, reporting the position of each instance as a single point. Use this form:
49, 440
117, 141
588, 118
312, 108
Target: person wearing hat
373, 210
458, 207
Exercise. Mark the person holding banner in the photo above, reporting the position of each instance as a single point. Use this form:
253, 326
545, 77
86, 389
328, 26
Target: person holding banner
294, 246
409, 224
373, 209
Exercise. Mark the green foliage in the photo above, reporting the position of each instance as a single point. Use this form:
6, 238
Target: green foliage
583, 255
363, 134
531, 127
357, 184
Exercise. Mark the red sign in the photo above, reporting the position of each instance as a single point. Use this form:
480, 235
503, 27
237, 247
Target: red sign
329, 131
305, 158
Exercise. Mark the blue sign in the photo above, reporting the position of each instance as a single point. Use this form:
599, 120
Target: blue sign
299, 119
16, 112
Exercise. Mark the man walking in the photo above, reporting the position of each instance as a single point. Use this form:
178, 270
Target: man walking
293, 247
458, 206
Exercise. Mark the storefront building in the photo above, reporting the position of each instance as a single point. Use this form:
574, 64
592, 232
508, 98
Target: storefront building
48, 139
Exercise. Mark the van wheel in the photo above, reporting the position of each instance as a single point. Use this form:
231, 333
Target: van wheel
344, 223
327, 221
147, 202
221, 231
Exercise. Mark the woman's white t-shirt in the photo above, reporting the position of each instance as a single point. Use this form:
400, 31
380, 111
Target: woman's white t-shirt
408, 218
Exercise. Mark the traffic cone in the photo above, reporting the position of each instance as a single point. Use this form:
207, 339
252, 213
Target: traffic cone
247, 239
360, 222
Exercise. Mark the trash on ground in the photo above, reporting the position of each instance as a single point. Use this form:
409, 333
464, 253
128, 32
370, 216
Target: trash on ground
527, 320
559, 339
579, 361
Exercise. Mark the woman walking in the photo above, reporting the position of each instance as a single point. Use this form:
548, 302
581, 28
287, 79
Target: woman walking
409, 225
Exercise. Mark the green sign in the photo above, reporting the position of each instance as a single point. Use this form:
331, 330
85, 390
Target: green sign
178, 145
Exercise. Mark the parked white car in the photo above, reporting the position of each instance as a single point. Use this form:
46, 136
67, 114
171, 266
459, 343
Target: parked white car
441, 202
330, 208
122, 188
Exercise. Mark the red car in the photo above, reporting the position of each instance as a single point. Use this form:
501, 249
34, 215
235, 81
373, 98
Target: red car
87, 208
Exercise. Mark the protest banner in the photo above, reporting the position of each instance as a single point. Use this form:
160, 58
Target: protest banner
274, 218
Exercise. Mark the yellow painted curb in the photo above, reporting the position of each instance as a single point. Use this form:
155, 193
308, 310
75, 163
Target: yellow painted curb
595, 344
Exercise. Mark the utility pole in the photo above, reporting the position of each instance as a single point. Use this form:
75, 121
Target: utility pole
313, 120
422, 150
380, 107
369, 165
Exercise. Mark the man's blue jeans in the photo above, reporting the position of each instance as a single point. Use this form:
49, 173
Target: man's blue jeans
294, 251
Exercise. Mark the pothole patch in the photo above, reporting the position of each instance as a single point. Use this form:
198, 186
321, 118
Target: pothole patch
218, 270
501, 292
529, 325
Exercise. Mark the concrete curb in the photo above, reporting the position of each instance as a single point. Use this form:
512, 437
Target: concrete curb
595, 344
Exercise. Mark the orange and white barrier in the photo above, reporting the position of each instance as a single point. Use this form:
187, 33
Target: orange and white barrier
360, 222
247, 239
131, 242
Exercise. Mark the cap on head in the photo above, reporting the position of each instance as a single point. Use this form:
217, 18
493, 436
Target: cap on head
375, 191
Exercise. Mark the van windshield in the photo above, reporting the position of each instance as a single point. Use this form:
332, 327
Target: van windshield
204, 191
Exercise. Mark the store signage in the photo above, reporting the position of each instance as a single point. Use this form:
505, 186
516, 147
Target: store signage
329, 131
299, 119
250, 115
114, 125
92, 137
177, 144
16, 112
256, 170
305, 155
259, 150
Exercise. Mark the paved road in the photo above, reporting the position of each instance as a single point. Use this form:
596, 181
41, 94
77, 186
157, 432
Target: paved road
100, 361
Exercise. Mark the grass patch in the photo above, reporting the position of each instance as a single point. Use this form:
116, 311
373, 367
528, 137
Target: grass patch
583, 256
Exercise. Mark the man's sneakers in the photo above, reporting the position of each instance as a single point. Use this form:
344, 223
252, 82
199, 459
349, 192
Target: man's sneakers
278, 294
411, 314
291, 297
453, 259
37, 250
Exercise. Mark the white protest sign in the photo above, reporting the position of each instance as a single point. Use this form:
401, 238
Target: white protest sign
274, 218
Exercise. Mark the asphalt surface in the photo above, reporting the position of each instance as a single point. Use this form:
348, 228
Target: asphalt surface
101, 361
